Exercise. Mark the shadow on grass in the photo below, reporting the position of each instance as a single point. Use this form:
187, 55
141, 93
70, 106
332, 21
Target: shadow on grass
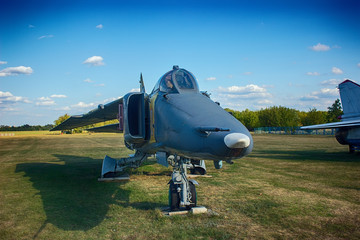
72, 197
306, 155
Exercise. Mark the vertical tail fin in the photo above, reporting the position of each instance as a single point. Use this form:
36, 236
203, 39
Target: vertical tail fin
350, 99
142, 86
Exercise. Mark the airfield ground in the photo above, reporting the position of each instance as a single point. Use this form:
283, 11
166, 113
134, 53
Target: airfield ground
290, 187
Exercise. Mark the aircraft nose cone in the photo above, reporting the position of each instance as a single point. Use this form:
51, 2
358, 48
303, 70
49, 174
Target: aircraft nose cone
237, 140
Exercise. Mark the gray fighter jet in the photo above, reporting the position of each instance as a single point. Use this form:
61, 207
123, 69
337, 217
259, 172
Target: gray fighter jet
348, 129
178, 124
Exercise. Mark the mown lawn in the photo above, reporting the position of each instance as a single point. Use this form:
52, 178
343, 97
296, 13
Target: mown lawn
303, 187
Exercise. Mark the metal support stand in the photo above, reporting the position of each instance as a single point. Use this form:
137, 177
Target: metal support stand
180, 186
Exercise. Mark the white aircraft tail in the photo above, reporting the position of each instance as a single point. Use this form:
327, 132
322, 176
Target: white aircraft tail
350, 99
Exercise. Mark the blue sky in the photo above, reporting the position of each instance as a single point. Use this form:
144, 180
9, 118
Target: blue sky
60, 57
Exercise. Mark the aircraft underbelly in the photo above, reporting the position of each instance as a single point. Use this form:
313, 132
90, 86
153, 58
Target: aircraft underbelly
348, 136
354, 136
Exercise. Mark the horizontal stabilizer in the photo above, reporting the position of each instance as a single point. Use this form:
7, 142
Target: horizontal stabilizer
342, 124
112, 128
101, 114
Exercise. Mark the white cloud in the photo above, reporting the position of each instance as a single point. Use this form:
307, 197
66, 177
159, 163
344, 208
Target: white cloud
135, 90
46, 103
210, 79
5, 94
320, 47
113, 98
247, 73
100, 85
58, 96
358, 65
331, 82
265, 101
44, 99
15, 71
7, 98
4, 62
94, 61
251, 88
313, 73
323, 93
100, 26
31, 26
250, 91
67, 108
83, 105
46, 36
88, 80
336, 70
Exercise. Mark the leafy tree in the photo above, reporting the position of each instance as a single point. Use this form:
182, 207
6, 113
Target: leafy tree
313, 117
249, 118
334, 111
61, 119
279, 117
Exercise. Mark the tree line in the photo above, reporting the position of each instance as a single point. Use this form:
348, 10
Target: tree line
278, 116
26, 127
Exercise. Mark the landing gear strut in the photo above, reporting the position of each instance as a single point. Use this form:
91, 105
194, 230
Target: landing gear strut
182, 192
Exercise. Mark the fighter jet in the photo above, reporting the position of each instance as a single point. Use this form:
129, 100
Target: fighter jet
348, 129
178, 124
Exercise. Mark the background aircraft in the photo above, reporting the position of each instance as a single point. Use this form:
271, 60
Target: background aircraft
177, 123
348, 129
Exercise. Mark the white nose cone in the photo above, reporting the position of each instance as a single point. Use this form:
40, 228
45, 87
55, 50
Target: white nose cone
236, 140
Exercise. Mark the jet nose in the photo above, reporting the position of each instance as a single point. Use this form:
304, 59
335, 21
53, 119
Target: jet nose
236, 140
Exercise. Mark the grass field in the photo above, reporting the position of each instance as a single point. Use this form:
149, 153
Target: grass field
290, 187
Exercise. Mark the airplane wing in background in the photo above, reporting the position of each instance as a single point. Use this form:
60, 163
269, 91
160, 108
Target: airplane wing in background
103, 113
352, 123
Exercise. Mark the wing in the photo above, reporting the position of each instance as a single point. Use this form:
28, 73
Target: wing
352, 123
102, 113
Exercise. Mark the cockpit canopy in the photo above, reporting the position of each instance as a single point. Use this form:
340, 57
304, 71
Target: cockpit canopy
177, 80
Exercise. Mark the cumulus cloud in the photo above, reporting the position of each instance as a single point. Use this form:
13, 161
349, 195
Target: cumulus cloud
49, 101
84, 105
94, 61
4, 62
15, 71
323, 93
46, 36
58, 96
44, 99
210, 79
313, 73
46, 103
250, 91
320, 47
336, 70
7, 98
100, 26
331, 82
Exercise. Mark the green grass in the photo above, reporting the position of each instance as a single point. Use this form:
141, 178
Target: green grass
303, 187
